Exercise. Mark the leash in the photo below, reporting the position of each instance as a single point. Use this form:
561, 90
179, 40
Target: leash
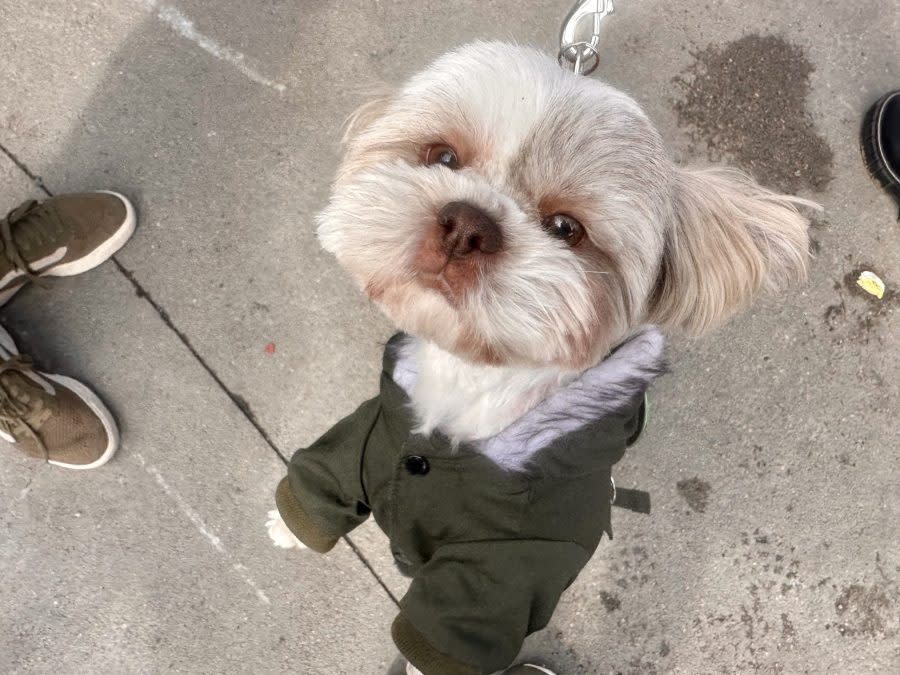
579, 38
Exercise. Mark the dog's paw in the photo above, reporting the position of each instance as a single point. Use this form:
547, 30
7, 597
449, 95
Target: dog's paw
279, 533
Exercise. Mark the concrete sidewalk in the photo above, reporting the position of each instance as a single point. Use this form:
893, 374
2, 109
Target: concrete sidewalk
772, 455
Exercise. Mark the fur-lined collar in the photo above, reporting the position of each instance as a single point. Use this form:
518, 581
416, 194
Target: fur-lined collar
605, 389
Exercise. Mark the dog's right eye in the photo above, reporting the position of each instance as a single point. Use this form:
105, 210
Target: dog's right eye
443, 154
564, 227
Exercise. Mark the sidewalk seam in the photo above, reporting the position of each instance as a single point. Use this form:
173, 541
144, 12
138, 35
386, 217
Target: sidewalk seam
142, 292
34, 178
237, 399
239, 402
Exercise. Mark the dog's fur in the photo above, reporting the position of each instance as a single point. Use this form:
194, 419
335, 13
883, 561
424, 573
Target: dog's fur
684, 249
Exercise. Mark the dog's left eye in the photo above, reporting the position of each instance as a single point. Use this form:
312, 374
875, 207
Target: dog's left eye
564, 227
441, 154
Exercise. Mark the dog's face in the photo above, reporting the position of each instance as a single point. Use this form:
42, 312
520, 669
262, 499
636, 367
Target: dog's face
515, 213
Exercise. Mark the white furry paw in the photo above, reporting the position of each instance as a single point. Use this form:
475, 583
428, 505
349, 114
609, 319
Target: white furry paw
279, 532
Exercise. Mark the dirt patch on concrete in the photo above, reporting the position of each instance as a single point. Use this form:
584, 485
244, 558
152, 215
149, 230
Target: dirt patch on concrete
610, 601
695, 493
746, 101
865, 610
862, 316
788, 632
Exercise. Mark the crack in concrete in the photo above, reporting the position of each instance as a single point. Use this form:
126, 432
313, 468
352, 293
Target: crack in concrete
239, 402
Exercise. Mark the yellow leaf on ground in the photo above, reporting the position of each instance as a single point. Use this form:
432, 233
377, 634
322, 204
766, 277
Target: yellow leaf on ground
871, 284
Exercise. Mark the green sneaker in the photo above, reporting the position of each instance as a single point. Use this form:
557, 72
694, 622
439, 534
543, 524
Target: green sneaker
61, 236
52, 417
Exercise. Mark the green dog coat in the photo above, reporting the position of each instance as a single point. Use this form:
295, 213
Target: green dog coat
491, 532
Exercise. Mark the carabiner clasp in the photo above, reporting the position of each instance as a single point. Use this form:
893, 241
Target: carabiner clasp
579, 39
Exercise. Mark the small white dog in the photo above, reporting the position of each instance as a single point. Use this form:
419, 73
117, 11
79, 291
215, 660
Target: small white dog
520, 221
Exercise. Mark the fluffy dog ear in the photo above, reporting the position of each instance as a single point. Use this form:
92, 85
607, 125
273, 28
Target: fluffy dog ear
728, 238
379, 98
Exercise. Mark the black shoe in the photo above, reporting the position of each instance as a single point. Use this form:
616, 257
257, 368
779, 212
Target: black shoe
881, 142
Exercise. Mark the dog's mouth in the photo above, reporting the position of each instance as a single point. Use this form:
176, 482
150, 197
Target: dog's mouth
443, 271
455, 280
436, 281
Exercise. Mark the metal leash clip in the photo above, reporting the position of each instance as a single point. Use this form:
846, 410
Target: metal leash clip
579, 39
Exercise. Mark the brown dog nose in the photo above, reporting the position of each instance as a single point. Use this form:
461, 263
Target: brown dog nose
468, 229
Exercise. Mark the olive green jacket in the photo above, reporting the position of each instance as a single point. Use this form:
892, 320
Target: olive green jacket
490, 536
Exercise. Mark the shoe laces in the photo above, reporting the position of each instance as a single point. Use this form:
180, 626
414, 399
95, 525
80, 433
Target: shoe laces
12, 410
28, 237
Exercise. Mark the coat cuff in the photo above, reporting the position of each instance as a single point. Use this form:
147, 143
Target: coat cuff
419, 652
299, 522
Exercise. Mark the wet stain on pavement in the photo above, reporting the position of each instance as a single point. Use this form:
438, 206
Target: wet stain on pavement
746, 101
695, 493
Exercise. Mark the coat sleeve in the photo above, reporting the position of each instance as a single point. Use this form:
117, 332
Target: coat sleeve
322, 497
469, 609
